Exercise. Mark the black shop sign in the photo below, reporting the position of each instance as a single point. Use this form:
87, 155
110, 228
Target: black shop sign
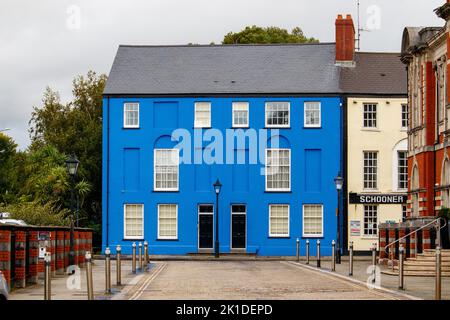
359, 198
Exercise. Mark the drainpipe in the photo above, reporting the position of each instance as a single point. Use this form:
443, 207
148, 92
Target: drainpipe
107, 177
344, 165
436, 141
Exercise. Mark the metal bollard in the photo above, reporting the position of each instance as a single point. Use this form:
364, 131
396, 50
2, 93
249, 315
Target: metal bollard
374, 262
401, 269
438, 274
350, 266
107, 271
146, 254
118, 265
133, 259
333, 256
318, 253
140, 257
47, 276
298, 250
89, 281
307, 251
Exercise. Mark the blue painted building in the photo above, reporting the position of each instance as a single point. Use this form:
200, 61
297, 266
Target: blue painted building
266, 120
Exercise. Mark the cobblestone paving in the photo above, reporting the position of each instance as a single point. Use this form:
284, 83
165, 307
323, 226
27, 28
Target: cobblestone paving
248, 280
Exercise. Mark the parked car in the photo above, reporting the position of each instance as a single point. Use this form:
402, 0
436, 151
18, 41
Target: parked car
13, 221
3, 288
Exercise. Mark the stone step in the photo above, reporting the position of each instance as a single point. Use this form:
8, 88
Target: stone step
431, 257
444, 260
425, 263
423, 268
433, 253
433, 250
415, 273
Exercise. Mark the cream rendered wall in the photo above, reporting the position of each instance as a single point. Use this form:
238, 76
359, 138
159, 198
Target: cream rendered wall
388, 138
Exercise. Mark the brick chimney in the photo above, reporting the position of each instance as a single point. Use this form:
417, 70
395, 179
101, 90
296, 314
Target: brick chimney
345, 41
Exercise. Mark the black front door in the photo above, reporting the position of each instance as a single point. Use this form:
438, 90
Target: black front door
205, 231
238, 231
205, 226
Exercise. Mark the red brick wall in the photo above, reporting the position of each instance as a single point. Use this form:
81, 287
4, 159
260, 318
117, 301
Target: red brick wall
66, 248
20, 277
60, 251
33, 248
382, 237
5, 254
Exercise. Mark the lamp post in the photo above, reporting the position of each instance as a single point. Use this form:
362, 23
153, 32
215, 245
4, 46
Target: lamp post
217, 187
6, 129
72, 168
339, 182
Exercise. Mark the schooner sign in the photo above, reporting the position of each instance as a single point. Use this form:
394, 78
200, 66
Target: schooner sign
359, 198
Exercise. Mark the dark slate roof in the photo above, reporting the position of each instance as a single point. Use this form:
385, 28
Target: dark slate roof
375, 73
224, 69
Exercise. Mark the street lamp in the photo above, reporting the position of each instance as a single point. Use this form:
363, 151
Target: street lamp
339, 182
6, 129
217, 187
72, 168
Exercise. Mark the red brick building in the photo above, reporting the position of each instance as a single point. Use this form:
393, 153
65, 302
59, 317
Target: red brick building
425, 54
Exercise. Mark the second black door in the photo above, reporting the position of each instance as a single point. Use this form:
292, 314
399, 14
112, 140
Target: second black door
238, 231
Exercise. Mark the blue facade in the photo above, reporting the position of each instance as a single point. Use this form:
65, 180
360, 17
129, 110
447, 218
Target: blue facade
316, 159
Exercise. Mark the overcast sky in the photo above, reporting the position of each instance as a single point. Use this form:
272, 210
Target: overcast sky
48, 42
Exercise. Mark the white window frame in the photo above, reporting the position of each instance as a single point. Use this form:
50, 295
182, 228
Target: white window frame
196, 121
312, 104
311, 235
405, 112
364, 221
176, 228
398, 170
244, 106
374, 119
290, 171
125, 236
125, 105
288, 125
273, 235
377, 171
178, 170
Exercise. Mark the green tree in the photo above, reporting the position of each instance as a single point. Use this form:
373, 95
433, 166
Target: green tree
9, 166
74, 128
259, 35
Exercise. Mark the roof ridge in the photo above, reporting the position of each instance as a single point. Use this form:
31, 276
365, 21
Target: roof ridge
228, 45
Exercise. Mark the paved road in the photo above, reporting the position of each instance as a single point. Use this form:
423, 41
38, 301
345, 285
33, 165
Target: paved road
246, 280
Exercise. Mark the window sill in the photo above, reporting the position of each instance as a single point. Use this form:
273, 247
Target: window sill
166, 191
313, 237
306, 127
266, 127
131, 128
246, 127
370, 129
368, 237
167, 240
278, 191
194, 127
278, 237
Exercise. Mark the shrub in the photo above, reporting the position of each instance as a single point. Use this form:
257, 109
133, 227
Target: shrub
34, 213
